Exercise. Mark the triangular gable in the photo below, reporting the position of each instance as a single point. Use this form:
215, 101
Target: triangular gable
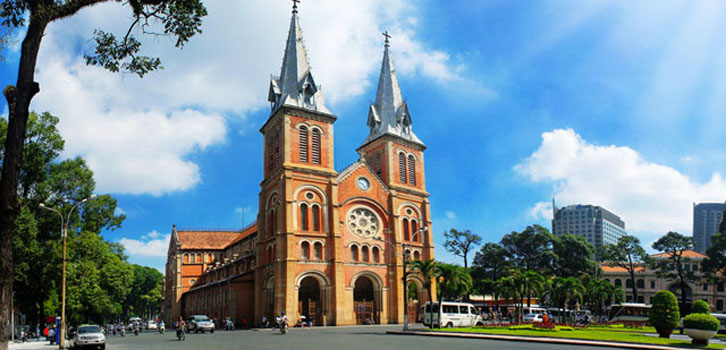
361, 163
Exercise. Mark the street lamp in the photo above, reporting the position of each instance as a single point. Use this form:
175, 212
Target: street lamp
405, 273
64, 233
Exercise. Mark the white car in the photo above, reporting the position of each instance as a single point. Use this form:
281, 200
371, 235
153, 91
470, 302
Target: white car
533, 318
200, 323
89, 336
151, 325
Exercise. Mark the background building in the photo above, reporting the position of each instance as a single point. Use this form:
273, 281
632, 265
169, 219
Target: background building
706, 219
598, 225
648, 283
327, 244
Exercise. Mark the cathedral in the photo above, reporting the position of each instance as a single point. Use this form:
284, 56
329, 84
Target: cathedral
328, 245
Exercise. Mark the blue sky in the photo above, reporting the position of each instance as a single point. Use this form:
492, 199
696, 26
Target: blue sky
612, 103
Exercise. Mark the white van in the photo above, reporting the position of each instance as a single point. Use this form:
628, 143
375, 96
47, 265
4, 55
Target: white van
453, 314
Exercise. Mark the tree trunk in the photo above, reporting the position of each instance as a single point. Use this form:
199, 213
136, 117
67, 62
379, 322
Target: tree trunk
18, 98
635, 287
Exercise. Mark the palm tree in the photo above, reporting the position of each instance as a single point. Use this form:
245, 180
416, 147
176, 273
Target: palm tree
599, 292
563, 291
534, 284
428, 269
456, 282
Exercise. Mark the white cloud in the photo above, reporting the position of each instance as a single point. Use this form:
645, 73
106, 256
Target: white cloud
450, 215
541, 211
150, 246
651, 198
137, 134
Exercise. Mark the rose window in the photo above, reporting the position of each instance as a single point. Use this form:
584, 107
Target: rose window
363, 222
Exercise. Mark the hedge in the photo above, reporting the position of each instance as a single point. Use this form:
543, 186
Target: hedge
701, 321
701, 307
664, 314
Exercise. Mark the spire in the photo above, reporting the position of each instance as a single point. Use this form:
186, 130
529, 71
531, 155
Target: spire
389, 114
295, 86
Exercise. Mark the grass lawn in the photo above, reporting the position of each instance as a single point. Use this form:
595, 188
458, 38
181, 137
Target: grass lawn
604, 334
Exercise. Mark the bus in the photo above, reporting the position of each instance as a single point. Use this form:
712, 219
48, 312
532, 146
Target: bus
631, 313
721, 319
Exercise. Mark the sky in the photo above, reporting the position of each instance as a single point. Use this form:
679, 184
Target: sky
612, 103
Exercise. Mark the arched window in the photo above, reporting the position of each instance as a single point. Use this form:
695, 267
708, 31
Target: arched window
379, 170
316, 218
402, 167
198, 258
411, 170
406, 234
303, 144
304, 216
354, 252
186, 258
618, 283
317, 251
209, 258
416, 255
305, 250
270, 153
415, 234
628, 283
364, 254
316, 146
276, 147
641, 283
376, 255
407, 252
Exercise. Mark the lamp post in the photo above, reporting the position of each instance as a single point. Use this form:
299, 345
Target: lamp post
405, 273
64, 233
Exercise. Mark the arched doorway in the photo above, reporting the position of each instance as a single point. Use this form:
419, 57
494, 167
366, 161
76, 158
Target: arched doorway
414, 300
268, 298
364, 301
309, 301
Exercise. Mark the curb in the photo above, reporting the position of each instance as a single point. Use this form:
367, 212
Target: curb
563, 341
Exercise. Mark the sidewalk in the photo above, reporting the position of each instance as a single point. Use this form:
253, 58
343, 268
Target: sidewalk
537, 340
33, 345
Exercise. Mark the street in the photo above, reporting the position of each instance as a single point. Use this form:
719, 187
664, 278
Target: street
352, 337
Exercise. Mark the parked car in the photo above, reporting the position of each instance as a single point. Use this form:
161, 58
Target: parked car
89, 336
533, 318
151, 325
133, 322
200, 323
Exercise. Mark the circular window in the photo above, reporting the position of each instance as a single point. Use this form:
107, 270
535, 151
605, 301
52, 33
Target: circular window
409, 211
363, 222
309, 196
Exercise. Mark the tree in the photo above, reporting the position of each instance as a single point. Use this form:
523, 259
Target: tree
455, 281
513, 287
573, 256
530, 249
715, 262
460, 243
563, 291
428, 270
628, 254
672, 265
664, 313
490, 264
142, 298
180, 19
600, 292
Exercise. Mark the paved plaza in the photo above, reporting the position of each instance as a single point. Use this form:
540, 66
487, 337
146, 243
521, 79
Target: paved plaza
351, 337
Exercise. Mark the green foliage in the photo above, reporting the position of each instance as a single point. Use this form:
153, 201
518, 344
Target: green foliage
599, 292
664, 314
564, 291
701, 307
715, 262
427, 270
673, 244
701, 321
455, 281
460, 243
573, 256
530, 249
628, 254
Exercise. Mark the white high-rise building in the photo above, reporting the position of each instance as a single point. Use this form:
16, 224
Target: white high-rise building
598, 225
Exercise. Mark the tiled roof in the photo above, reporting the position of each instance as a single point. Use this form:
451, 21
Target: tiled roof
206, 239
611, 268
246, 232
686, 254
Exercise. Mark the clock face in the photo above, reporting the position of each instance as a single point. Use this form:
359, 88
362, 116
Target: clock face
363, 183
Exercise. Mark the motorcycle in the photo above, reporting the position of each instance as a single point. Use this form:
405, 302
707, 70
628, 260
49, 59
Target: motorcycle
161, 329
123, 331
283, 326
136, 331
228, 325
180, 334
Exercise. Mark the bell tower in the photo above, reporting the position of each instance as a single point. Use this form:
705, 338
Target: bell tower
391, 149
298, 151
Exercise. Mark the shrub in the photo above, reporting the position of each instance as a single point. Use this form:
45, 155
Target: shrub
701, 307
701, 321
664, 314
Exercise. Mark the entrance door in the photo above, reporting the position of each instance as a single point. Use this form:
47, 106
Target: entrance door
363, 301
308, 301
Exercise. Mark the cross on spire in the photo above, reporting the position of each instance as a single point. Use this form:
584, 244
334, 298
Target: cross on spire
294, 5
385, 34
